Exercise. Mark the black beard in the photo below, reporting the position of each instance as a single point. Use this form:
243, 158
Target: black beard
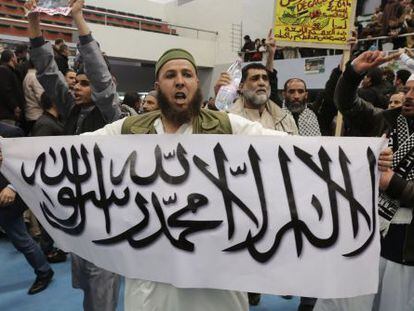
295, 107
180, 117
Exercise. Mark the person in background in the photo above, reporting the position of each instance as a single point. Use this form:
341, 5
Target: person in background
396, 100
70, 77
132, 102
23, 65
33, 91
11, 220
150, 102
11, 90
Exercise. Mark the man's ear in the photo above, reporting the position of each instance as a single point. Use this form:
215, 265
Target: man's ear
241, 85
156, 86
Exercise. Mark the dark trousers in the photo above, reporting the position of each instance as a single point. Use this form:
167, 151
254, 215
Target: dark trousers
16, 231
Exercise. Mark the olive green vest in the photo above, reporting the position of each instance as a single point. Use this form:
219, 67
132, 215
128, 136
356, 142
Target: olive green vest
207, 122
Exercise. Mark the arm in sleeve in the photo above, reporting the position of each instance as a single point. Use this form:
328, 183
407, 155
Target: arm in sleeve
324, 106
50, 77
274, 94
347, 99
104, 93
402, 190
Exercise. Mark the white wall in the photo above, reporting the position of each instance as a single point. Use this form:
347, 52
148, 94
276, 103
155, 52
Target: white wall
295, 68
149, 46
215, 15
140, 7
257, 17
370, 6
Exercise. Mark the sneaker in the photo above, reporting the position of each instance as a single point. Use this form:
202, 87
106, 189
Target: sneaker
41, 283
56, 256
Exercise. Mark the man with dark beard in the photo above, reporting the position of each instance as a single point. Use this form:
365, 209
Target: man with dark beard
180, 100
295, 96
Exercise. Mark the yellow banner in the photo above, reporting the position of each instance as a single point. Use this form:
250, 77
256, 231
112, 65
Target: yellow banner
313, 23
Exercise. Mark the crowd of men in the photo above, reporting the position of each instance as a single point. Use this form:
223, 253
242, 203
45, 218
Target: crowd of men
43, 97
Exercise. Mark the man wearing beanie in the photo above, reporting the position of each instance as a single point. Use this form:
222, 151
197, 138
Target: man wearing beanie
179, 97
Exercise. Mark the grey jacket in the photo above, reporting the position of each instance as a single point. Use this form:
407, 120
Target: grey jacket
283, 121
104, 94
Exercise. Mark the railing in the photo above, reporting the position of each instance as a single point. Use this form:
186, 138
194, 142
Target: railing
374, 39
378, 39
13, 9
46, 25
173, 28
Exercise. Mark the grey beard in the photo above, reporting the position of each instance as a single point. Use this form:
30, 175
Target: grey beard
257, 100
295, 107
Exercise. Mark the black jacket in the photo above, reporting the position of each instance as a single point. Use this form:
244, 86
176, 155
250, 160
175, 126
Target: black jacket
47, 125
11, 93
398, 245
364, 118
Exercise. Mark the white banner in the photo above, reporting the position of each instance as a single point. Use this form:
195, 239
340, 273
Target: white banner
53, 7
264, 214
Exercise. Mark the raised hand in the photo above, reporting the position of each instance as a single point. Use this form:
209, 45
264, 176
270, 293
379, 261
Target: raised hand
76, 6
372, 59
30, 5
271, 42
33, 18
224, 79
409, 52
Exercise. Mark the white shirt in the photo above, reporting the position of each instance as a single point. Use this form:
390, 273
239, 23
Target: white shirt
239, 126
32, 93
141, 295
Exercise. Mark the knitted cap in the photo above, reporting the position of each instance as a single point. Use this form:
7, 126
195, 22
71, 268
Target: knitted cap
171, 55
411, 78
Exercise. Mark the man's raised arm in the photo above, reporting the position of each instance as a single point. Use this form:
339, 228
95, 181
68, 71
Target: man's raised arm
104, 93
346, 97
271, 51
48, 72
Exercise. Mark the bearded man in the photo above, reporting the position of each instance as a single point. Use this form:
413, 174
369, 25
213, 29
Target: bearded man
254, 103
180, 99
295, 96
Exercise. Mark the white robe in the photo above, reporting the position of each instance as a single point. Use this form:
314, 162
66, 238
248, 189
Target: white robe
142, 295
